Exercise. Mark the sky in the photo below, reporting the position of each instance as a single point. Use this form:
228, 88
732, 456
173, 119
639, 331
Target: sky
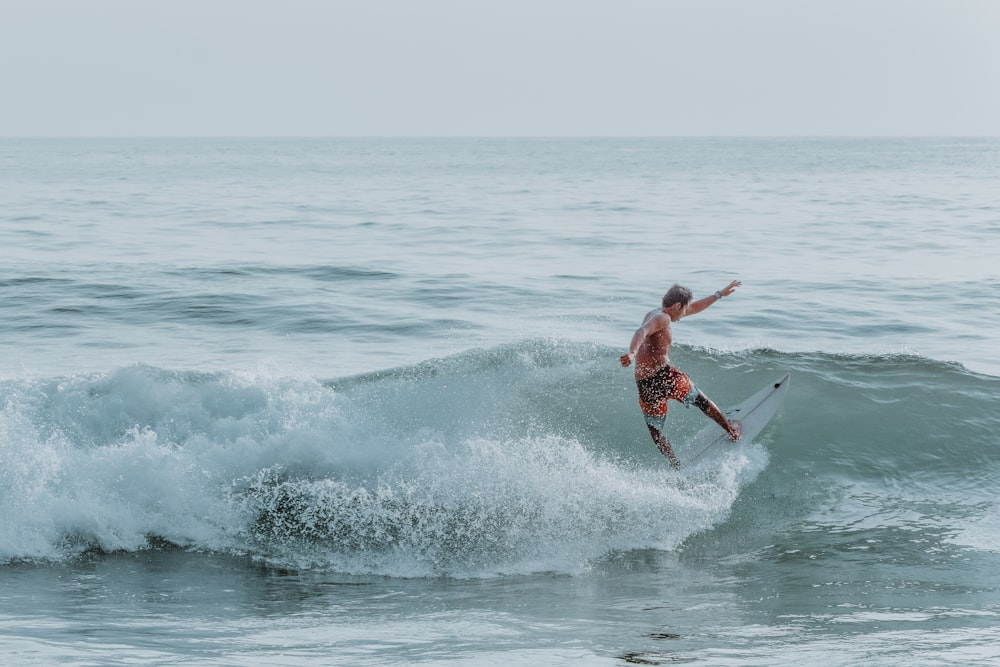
499, 68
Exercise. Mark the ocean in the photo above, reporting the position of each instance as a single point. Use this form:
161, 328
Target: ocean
358, 402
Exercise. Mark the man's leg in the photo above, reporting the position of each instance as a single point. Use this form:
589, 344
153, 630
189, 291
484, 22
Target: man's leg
712, 411
655, 425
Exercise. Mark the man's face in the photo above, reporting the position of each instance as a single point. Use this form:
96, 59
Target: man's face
677, 311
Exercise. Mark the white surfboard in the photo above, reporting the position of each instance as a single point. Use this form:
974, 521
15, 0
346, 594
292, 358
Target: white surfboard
754, 413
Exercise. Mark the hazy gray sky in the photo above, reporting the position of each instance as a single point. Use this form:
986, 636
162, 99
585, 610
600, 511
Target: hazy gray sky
505, 67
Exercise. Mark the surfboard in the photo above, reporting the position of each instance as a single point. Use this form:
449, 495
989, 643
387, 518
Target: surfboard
754, 413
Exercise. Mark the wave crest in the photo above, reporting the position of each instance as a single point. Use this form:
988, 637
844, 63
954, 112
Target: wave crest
526, 457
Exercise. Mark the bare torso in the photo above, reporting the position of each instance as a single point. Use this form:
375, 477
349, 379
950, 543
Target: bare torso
654, 352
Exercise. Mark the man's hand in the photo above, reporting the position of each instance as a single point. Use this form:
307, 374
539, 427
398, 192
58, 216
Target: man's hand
730, 288
626, 359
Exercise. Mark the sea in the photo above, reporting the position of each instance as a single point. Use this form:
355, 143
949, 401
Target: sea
358, 401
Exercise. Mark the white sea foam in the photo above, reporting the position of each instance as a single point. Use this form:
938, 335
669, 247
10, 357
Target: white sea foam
298, 474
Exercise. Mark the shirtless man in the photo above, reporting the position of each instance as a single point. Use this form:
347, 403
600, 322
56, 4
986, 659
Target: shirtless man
657, 380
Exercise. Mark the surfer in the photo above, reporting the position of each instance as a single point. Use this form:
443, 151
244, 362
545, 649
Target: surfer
657, 380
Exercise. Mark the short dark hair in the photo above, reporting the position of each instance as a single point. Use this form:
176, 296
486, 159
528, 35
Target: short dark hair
677, 294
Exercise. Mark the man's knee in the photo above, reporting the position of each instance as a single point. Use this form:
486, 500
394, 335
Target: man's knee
655, 422
701, 402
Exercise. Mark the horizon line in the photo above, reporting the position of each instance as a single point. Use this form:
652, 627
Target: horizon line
500, 136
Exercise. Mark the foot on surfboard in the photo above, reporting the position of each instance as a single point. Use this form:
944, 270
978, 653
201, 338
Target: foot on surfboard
735, 430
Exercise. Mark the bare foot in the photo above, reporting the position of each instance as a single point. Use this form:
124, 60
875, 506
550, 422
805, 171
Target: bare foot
735, 429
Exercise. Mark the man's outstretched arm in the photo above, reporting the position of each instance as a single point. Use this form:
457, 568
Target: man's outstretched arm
696, 307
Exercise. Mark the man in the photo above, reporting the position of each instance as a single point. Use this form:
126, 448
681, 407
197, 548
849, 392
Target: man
657, 380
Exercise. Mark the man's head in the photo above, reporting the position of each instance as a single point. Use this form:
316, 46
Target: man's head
677, 294
676, 301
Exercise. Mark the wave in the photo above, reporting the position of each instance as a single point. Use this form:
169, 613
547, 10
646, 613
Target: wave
522, 458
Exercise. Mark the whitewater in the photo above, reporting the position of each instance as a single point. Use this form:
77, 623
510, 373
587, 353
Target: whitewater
358, 402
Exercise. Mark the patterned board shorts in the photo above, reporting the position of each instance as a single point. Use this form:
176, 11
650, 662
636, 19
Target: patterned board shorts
668, 383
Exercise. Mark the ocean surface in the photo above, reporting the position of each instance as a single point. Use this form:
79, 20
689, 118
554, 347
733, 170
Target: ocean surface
358, 402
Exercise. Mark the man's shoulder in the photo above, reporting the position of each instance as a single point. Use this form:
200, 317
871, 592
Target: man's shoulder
656, 319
